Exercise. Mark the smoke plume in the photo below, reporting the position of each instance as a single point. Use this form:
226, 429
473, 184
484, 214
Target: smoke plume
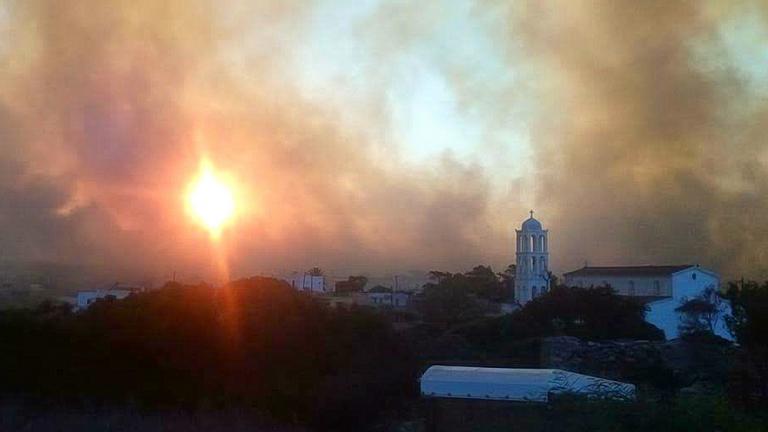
635, 130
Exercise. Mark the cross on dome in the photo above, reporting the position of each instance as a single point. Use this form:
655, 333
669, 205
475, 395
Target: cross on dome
531, 224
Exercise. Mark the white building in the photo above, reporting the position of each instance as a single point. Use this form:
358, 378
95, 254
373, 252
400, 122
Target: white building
517, 385
313, 284
532, 261
663, 288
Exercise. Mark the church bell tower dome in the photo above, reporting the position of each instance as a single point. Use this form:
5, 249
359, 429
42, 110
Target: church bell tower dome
531, 224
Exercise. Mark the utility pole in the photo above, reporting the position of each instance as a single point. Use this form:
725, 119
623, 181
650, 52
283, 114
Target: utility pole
392, 295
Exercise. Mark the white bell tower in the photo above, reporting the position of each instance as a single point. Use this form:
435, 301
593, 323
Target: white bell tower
532, 272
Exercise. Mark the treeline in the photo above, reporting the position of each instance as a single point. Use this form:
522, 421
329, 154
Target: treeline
456, 300
254, 343
586, 313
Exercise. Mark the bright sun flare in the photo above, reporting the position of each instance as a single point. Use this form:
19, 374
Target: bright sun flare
211, 201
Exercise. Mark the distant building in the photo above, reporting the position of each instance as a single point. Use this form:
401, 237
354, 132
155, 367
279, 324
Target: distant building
532, 261
664, 288
397, 299
352, 284
313, 284
85, 299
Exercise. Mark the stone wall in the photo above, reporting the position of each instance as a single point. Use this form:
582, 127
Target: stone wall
672, 364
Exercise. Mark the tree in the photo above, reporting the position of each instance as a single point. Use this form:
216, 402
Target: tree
486, 284
507, 277
702, 313
587, 313
449, 299
438, 276
748, 323
315, 271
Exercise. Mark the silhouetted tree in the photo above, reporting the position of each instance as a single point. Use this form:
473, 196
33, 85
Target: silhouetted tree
587, 313
486, 284
702, 313
449, 299
748, 323
315, 271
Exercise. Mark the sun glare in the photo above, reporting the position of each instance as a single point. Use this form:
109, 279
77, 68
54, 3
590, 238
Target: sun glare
211, 201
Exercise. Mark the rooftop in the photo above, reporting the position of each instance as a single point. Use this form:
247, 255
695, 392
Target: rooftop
648, 270
523, 385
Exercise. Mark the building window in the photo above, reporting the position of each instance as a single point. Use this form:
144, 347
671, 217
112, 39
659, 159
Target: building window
534, 292
631, 288
693, 276
656, 288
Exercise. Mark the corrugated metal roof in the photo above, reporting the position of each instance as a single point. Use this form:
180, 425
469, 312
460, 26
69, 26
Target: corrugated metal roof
522, 385
649, 270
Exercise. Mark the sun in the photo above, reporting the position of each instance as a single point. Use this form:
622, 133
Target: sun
211, 200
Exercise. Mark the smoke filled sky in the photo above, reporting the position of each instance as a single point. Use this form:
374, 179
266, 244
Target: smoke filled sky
374, 135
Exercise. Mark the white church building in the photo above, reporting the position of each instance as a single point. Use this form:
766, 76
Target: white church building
663, 288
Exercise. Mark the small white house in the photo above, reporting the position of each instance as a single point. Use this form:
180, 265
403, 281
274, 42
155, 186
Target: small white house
663, 288
517, 385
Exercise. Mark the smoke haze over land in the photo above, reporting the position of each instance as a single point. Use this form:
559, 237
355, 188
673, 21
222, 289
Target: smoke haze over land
385, 136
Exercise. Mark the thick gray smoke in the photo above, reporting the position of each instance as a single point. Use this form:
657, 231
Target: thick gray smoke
643, 151
650, 145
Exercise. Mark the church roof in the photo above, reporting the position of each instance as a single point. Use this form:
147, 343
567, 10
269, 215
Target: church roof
648, 270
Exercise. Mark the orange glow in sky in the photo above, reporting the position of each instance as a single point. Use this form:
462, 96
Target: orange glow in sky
211, 200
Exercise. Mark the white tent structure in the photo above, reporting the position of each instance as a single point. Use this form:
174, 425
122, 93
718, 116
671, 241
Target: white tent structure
521, 385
